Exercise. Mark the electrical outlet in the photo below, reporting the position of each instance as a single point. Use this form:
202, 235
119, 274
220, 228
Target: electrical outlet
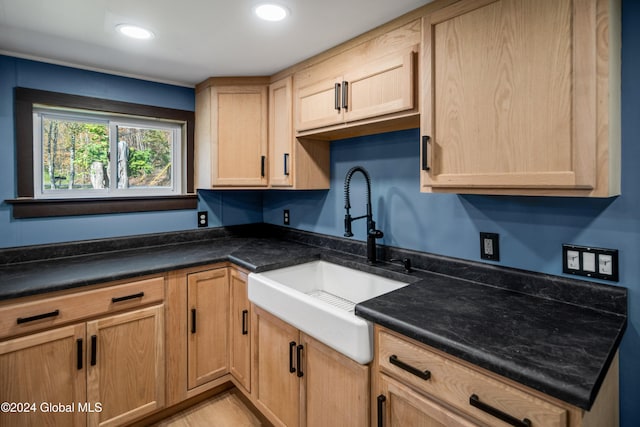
598, 263
285, 217
489, 246
203, 219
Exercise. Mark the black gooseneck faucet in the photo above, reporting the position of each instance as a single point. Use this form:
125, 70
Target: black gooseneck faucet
372, 233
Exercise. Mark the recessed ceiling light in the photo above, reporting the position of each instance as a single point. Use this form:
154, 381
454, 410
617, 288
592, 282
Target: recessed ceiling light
271, 12
134, 31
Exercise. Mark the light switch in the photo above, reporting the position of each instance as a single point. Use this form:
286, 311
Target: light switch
590, 261
573, 260
605, 264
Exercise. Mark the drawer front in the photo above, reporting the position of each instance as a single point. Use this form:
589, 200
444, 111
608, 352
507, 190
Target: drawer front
31, 316
466, 389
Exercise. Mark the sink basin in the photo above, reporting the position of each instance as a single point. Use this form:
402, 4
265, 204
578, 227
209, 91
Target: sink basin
319, 299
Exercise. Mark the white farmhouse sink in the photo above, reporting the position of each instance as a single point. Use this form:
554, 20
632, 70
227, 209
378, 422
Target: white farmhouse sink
319, 299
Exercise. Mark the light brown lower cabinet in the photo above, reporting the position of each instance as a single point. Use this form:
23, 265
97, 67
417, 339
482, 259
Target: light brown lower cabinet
208, 334
335, 388
276, 387
398, 405
416, 385
125, 366
43, 367
105, 372
300, 381
240, 331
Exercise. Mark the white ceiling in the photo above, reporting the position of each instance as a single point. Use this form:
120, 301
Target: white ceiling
194, 39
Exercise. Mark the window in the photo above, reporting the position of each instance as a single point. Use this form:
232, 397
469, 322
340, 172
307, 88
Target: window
80, 155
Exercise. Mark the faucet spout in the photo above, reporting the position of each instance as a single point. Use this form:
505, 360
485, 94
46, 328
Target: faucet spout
372, 233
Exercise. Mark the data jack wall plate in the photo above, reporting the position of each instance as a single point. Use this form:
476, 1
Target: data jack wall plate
597, 263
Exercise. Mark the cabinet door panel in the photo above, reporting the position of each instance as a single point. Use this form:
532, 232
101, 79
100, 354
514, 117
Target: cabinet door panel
276, 389
127, 376
239, 135
281, 133
208, 295
240, 361
404, 407
43, 368
507, 95
316, 104
336, 388
381, 87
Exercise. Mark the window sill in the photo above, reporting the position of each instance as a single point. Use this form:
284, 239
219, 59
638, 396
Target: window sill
26, 207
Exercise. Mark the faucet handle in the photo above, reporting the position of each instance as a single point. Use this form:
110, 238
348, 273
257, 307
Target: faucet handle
347, 226
406, 262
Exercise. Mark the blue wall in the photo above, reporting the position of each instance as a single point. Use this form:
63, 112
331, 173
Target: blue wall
227, 209
532, 229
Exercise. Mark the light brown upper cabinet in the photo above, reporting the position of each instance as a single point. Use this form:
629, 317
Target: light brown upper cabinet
231, 132
244, 137
522, 97
368, 84
293, 163
280, 133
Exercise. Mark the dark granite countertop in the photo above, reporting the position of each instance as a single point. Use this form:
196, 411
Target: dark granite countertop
553, 334
256, 254
557, 348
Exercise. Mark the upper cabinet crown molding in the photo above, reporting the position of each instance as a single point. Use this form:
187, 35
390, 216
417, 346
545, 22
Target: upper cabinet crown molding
522, 97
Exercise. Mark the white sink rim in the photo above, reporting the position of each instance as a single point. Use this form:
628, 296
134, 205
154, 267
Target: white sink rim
313, 316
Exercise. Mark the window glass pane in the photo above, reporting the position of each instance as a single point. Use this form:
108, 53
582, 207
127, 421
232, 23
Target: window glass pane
75, 154
144, 157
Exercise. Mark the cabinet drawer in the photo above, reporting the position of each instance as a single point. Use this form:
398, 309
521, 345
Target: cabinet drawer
457, 385
31, 316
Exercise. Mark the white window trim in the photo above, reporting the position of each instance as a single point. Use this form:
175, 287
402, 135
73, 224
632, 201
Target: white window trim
178, 161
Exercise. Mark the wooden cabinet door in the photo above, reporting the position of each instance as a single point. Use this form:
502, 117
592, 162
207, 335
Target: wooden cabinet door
281, 133
381, 86
208, 305
336, 388
44, 368
239, 135
240, 335
125, 365
399, 406
318, 103
509, 97
276, 386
